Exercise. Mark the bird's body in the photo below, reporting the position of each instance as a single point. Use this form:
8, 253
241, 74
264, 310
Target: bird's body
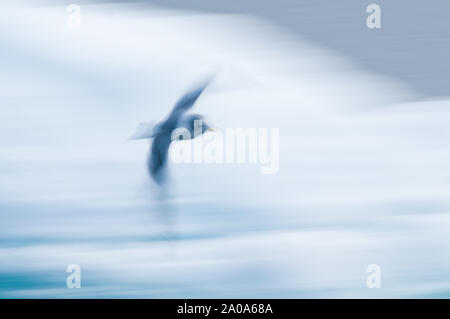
162, 132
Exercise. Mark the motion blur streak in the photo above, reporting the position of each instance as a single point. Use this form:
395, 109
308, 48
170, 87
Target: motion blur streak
363, 178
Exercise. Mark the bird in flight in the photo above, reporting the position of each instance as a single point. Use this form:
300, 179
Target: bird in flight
161, 133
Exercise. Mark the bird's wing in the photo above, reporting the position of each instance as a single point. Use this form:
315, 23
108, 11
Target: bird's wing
144, 130
187, 100
158, 157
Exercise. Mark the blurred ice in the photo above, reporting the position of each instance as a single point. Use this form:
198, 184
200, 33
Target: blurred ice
364, 169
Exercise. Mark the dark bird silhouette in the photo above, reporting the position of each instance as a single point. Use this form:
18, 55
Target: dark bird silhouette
161, 133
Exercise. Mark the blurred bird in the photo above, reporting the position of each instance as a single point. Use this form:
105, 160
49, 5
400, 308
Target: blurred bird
162, 132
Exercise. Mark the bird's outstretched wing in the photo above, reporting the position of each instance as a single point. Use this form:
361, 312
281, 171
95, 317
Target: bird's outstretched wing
144, 130
188, 99
158, 157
